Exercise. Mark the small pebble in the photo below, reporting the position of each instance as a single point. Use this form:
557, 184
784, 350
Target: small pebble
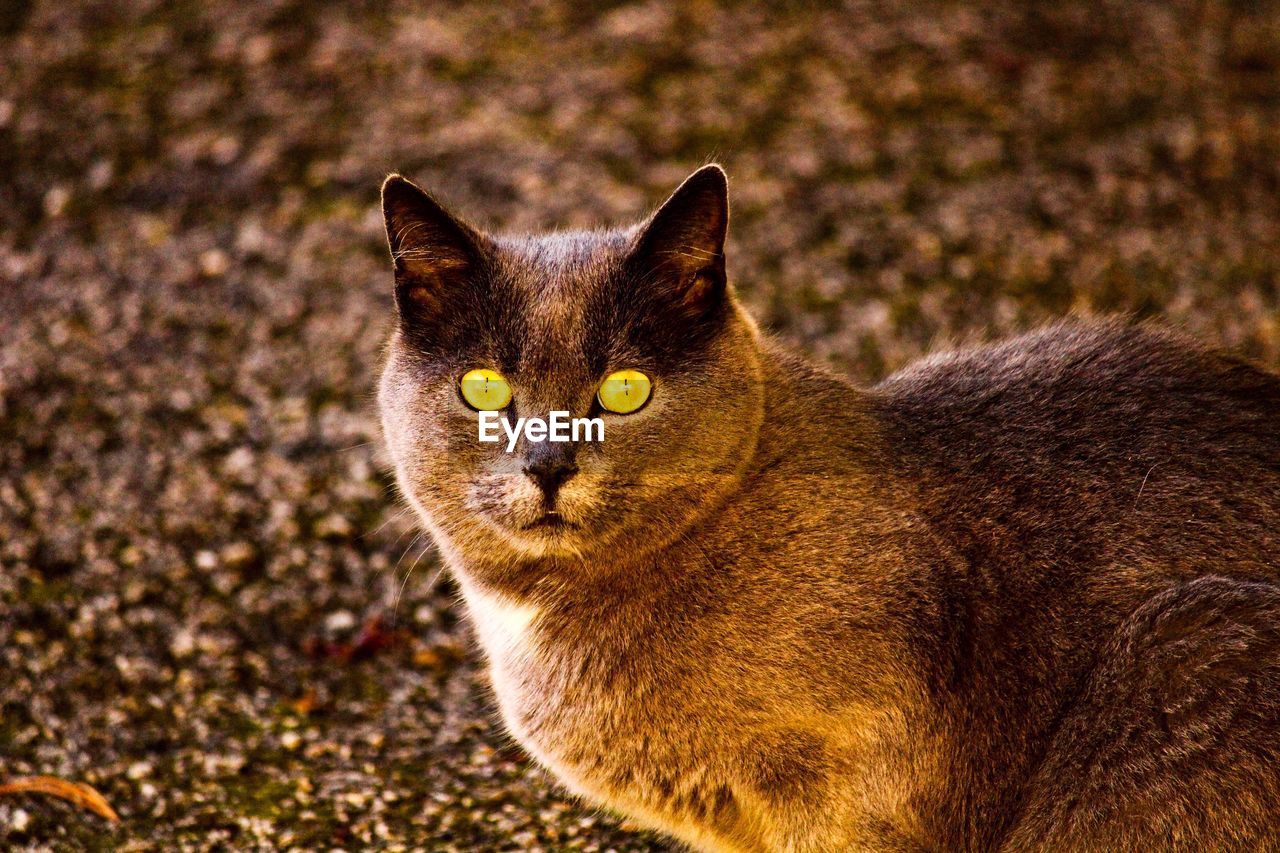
340, 621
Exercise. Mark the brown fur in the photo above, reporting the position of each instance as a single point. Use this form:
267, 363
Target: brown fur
1015, 597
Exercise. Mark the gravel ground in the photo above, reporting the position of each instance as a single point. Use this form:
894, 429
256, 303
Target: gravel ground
211, 606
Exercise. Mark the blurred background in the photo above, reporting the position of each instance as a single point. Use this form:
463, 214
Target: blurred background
211, 607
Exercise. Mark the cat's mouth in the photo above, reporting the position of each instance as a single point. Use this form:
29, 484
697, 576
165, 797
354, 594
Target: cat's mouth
551, 521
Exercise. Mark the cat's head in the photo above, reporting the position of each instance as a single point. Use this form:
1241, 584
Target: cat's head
555, 315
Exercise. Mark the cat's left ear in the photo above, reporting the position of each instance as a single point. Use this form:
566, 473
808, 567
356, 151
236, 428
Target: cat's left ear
681, 248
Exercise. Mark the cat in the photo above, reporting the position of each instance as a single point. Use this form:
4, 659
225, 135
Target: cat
1014, 597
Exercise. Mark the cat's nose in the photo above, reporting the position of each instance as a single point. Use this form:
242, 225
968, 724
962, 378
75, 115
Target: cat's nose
550, 467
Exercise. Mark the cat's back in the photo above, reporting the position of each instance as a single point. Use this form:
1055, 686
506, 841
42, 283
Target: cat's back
1092, 441
1077, 373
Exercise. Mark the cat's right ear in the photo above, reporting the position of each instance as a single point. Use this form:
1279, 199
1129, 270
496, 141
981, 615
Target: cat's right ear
432, 251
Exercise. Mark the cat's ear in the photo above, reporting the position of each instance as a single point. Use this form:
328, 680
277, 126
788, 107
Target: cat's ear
432, 251
681, 248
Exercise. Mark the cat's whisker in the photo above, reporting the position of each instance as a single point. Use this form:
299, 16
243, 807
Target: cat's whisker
400, 538
395, 517
395, 608
412, 542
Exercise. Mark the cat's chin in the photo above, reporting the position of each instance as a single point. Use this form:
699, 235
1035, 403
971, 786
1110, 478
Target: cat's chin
547, 540
549, 534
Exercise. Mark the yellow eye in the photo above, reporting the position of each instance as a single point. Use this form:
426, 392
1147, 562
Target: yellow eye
485, 390
624, 392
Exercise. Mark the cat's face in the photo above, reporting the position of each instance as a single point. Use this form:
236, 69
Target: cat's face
554, 316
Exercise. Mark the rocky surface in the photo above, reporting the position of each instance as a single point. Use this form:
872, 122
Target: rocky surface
212, 608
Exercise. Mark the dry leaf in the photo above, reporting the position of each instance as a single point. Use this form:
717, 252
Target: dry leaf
76, 792
306, 703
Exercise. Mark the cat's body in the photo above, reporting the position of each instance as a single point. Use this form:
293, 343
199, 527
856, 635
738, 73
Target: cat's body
959, 610
1074, 475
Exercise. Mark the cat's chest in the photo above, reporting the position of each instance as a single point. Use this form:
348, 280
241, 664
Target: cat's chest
504, 626
581, 705
667, 723
543, 680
